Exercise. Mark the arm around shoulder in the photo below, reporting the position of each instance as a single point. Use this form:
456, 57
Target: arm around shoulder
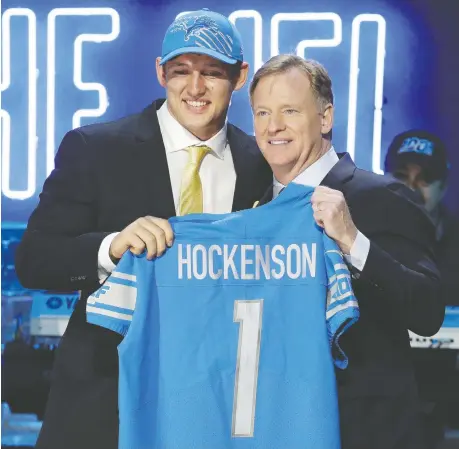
59, 250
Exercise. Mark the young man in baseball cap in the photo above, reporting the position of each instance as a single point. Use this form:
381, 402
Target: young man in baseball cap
114, 187
419, 159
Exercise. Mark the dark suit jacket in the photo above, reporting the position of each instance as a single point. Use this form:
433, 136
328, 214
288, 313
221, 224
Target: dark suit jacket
106, 176
397, 290
446, 250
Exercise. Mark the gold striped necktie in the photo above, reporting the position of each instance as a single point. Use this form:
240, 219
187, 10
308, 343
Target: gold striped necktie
191, 187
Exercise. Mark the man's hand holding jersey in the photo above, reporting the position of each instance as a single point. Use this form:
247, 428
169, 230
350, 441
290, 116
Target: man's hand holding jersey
155, 234
146, 233
332, 214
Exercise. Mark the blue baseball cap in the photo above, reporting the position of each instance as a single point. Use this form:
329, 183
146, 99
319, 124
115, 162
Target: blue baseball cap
420, 147
203, 32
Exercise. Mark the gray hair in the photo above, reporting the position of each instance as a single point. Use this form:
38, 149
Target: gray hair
321, 83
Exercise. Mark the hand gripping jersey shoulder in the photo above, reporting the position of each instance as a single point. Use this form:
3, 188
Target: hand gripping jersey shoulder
228, 337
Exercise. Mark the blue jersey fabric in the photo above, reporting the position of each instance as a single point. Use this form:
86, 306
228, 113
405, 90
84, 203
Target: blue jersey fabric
229, 336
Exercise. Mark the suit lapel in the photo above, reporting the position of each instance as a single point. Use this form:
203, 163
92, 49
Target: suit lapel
242, 167
341, 173
267, 196
153, 170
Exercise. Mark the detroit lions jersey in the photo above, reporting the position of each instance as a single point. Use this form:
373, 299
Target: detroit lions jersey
229, 336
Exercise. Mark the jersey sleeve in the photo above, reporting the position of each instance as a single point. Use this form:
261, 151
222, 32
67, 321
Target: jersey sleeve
112, 305
342, 306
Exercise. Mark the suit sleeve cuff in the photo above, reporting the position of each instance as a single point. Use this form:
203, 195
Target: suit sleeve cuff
105, 264
359, 252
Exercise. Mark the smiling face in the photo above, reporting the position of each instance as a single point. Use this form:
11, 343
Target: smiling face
199, 91
289, 126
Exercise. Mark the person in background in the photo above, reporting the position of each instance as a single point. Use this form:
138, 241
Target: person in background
385, 235
419, 159
112, 190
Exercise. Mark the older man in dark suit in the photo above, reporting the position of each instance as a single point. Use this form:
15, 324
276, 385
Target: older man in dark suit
385, 235
113, 187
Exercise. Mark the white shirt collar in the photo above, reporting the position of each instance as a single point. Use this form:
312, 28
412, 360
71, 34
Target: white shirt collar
177, 138
312, 175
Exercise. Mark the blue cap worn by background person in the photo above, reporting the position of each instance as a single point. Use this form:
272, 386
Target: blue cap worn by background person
421, 147
203, 32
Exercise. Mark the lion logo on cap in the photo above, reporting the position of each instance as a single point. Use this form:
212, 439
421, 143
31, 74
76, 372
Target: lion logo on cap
206, 33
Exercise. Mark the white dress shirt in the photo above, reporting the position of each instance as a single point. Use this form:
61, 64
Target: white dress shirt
217, 174
313, 176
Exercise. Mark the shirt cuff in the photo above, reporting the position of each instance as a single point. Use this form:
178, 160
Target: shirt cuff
359, 252
104, 262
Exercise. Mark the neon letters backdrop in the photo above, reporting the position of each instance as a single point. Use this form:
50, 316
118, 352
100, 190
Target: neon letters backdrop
65, 65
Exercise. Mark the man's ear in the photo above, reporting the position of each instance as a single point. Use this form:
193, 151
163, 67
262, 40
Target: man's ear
242, 78
327, 119
160, 72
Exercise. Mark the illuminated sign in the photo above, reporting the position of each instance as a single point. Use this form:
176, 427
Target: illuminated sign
77, 70
335, 39
5, 120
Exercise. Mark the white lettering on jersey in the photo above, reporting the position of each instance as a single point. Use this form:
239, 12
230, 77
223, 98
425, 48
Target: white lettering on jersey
247, 262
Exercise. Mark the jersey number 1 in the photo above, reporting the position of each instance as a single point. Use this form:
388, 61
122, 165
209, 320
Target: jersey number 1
249, 315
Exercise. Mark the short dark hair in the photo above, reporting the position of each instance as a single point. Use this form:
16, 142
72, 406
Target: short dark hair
235, 69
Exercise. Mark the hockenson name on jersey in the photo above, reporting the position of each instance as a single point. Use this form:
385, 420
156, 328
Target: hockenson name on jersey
247, 262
